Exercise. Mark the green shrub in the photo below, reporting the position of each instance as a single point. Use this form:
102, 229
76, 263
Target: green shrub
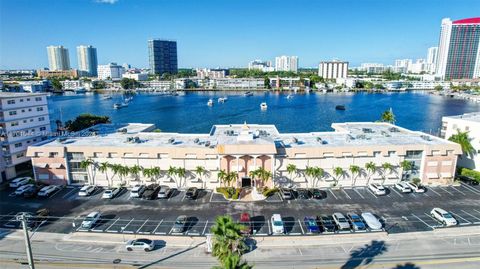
236, 194
229, 192
269, 192
470, 173
416, 181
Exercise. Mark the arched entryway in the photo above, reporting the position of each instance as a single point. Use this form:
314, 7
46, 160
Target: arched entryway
243, 164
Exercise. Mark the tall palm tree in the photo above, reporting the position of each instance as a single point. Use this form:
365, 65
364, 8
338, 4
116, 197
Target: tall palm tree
317, 174
200, 171
292, 171
406, 166
264, 175
388, 116
135, 171
123, 172
354, 172
233, 261
221, 176
87, 164
231, 177
386, 167
227, 238
338, 172
156, 172
371, 168
464, 140
309, 172
103, 168
148, 173
172, 172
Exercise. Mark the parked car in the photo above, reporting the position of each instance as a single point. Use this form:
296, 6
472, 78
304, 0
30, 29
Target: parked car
403, 187
287, 194
443, 216
20, 190
179, 225
151, 192
48, 190
40, 216
372, 222
327, 223
165, 192
356, 222
341, 221
319, 194
246, 222
415, 187
311, 224
32, 191
87, 190
468, 180
91, 219
137, 191
143, 244
110, 193
277, 224
192, 193
19, 181
377, 189
303, 194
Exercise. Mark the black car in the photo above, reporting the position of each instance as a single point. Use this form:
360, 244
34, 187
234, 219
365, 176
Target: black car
303, 194
151, 192
318, 194
326, 223
192, 193
468, 180
32, 191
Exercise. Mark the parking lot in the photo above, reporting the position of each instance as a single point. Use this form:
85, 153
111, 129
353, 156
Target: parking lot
398, 211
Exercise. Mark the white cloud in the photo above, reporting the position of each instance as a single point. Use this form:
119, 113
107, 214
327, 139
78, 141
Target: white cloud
107, 1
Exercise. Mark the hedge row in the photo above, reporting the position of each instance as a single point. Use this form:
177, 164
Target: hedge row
269, 192
470, 173
229, 192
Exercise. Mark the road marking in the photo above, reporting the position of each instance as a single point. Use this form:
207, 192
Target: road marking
346, 194
125, 227
455, 215
470, 188
395, 191
458, 190
431, 188
330, 190
281, 198
476, 211
112, 224
423, 221
55, 193
301, 254
184, 195
68, 193
211, 196
371, 192
469, 214
269, 228
299, 222
141, 226
359, 193
206, 223
158, 225
447, 191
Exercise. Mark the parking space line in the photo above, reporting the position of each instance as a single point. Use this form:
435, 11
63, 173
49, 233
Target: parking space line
458, 216
269, 228
51, 196
476, 211
415, 216
447, 191
470, 215
358, 193
141, 226
184, 194
68, 193
470, 188
458, 190
346, 194
281, 198
300, 223
395, 191
206, 223
158, 225
330, 190
435, 191
373, 194
125, 227
211, 196
112, 224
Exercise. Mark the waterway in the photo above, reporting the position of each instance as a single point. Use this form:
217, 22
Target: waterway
189, 112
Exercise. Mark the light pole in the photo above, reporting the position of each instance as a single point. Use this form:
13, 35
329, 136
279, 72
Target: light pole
24, 218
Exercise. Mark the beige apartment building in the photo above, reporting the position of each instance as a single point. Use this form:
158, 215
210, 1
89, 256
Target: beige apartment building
242, 148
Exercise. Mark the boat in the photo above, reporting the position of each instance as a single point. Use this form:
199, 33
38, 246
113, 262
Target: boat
222, 99
107, 97
263, 106
210, 102
248, 93
289, 96
80, 90
120, 105
340, 107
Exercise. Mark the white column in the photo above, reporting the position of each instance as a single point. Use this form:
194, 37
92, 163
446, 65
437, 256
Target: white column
273, 170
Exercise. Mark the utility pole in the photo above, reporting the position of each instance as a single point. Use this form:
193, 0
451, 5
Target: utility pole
24, 218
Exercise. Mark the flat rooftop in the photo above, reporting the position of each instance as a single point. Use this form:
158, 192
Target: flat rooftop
474, 116
19, 94
345, 135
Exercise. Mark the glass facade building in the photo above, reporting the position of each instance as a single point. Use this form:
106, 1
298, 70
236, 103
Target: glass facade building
463, 50
162, 55
87, 60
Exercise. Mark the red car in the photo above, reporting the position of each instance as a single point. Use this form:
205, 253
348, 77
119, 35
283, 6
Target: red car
245, 221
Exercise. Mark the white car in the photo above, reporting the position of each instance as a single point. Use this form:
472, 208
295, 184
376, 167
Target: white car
19, 182
372, 222
110, 193
90, 220
137, 191
416, 188
341, 221
443, 216
377, 189
20, 190
165, 192
47, 190
277, 224
403, 187
87, 190
143, 244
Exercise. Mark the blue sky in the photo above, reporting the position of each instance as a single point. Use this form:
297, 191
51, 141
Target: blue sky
226, 33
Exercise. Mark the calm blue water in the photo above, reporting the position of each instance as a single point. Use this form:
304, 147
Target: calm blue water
302, 113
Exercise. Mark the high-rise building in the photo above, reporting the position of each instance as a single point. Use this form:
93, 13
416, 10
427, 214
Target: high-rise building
286, 63
432, 56
162, 56
264, 66
58, 59
110, 71
401, 65
87, 60
333, 69
459, 49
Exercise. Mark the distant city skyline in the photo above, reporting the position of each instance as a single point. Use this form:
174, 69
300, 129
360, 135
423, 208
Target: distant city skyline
354, 31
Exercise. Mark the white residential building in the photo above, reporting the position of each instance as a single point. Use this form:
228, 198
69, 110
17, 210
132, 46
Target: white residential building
373, 68
34, 86
239, 83
469, 122
159, 84
432, 56
24, 121
264, 66
443, 46
418, 67
136, 76
72, 84
401, 66
286, 63
110, 71
333, 69
58, 58
211, 73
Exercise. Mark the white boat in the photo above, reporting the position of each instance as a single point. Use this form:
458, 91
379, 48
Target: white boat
120, 105
210, 102
222, 99
248, 93
107, 97
80, 90
290, 96
263, 106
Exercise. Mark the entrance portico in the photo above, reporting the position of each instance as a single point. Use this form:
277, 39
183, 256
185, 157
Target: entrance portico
244, 164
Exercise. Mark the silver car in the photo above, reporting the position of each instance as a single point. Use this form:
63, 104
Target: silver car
341, 221
179, 225
165, 192
142, 244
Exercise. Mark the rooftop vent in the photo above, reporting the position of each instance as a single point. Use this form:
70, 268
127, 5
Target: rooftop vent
62, 139
196, 140
385, 134
207, 143
294, 140
171, 140
361, 136
367, 130
393, 129
426, 137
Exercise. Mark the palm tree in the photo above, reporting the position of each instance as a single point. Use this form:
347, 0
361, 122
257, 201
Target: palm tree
200, 171
227, 238
292, 171
181, 173
386, 167
354, 171
85, 164
123, 172
406, 166
116, 170
172, 172
264, 175
231, 177
233, 261
222, 176
310, 172
135, 171
103, 168
338, 172
388, 116
464, 140
371, 168
148, 173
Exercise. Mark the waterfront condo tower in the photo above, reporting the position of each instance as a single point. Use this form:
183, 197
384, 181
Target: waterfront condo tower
459, 49
58, 59
87, 60
162, 56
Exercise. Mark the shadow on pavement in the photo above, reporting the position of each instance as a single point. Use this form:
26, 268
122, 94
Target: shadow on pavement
365, 255
257, 223
170, 256
406, 266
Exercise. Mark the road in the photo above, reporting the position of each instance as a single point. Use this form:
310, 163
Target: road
445, 248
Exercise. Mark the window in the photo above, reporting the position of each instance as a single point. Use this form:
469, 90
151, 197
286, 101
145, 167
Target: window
11, 102
53, 154
23, 110
21, 100
15, 123
38, 154
24, 121
28, 99
75, 155
41, 119
391, 153
11, 113
43, 128
432, 163
31, 120
20, 155
39, 108
377, 153
29, 109
38, 98
97, 154
17, 145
